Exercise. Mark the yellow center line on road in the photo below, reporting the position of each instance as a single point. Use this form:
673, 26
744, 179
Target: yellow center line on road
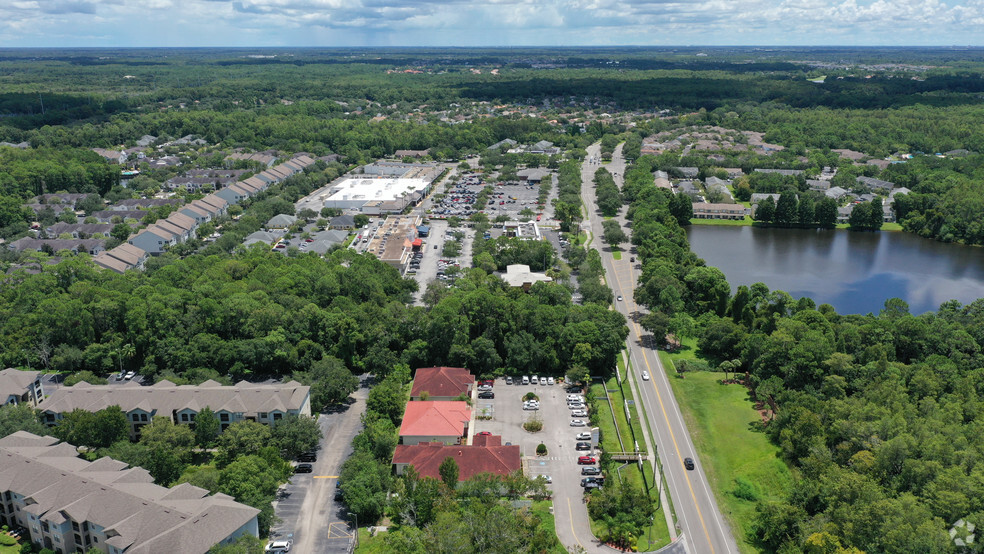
326, 477
666, 417
571, 513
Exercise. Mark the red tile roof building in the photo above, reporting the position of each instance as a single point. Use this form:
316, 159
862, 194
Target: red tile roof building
435, 421
487, 455
442, 383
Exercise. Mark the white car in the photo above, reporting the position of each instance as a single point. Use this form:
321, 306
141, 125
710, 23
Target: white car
278, 547
534, 380
579, 413
575, 398
531, 406
129, 375
578, 423
584, 436
550, 380
645, 375
575, 406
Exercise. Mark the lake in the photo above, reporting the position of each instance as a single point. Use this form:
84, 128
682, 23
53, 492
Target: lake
854, 272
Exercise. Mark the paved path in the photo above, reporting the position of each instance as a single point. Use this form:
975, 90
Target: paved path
307, 506
700, 520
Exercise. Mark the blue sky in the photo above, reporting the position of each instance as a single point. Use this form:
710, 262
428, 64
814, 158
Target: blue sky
489, 22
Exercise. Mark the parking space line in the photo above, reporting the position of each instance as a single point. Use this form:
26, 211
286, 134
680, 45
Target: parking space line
326, 477
339, 530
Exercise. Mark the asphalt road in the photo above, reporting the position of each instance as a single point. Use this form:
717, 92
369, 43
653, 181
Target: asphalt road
306, 506
699, 519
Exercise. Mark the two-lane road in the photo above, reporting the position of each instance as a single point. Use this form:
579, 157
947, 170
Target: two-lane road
697, 512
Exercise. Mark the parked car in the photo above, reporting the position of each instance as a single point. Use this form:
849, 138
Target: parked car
531, 406
579, 413
278, 547
576, 397
592, 483
550, 380
526, 380
508, 380
586, 460
578, 423
575, 406
590, 470
304, 468
307, 457
583, 446
484, 433
485, 387
645, 375
129, 375
534, 380
486, 395
585, 436
688, 463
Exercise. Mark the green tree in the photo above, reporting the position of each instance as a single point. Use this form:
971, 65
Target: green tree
245, 544
330, 381
121, 232
93, 429
578, 373
242, 438
613, 233
361, 220
766, 209
295, 434
449, 473
84, 375
826, 213
20, 417
207, 427
682, 208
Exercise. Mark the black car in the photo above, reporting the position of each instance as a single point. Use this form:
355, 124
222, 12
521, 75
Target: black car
304, 468
590, 470
307, 457
583, 446
591, 483
486, 395
688, 463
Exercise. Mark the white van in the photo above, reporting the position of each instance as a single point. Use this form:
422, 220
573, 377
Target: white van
534, 380
526, 380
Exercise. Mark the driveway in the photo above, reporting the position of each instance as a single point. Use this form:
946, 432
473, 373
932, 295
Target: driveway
306, 506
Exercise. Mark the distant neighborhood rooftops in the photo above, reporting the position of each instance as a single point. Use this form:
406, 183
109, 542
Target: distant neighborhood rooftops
782, 171
875, 183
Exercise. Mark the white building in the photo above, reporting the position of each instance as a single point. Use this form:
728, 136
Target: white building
355, 192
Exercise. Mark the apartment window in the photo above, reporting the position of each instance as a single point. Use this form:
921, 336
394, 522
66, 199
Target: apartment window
263, 415
193, 417
135, 417
143, 417
184, 417
78, 538
75, 527
223, 417
277, 416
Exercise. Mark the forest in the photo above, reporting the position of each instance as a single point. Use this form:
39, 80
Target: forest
879, 414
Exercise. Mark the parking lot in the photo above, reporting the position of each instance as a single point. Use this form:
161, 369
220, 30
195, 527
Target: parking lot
432, 263
508, 198
560, 462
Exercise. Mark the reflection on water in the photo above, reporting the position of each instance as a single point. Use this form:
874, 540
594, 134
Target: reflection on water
854, 272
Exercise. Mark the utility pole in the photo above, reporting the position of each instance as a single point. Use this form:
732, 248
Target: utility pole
354, 515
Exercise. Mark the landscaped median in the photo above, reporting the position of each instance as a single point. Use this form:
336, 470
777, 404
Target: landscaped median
741, 464
613, 424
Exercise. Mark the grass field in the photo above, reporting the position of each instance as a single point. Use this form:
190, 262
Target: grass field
745, 222
609, 442
548, 523
727, 433
617, 254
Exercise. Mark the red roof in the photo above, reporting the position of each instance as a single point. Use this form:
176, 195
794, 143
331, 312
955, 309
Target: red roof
417, 242
435, 419
426, 458
442, 381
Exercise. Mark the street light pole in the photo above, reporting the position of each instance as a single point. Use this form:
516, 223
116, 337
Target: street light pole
354, 515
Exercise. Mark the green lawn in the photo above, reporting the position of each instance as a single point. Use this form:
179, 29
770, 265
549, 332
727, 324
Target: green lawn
548, 523
617, 254
371, 545
726, 431
8, 544
609, 442
745, 222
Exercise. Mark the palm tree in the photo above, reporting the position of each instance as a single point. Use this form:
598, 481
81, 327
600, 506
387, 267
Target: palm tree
126, 351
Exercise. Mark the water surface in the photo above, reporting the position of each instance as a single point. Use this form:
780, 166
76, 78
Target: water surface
854, 272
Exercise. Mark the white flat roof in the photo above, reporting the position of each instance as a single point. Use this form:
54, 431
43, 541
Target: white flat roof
372, 188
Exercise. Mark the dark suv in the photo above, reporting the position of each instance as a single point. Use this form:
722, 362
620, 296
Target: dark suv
486, 395
590, 470
307, 457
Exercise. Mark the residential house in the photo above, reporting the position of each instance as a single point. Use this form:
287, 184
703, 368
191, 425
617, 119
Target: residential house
154, 239
123, 257
216, 204
786, 172
508, 143
688, 172
197, 211
263, 403
343, 222
758, 197
131, 204
69, 504
888, 213
819, 185
844, 213
79, 230
876, 184
688, 188
898, 191
77, 246
265, 237
281, 221
719, 186
485, 455
442, 383
733, 172
112, 156
705, 210
19, 387
435, 421
108, 216
233, 194
835, 192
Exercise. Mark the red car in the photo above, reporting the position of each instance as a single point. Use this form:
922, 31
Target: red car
586, 460
484, 433
488, 382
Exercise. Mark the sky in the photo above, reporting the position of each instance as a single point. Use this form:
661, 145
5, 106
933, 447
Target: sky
187, 23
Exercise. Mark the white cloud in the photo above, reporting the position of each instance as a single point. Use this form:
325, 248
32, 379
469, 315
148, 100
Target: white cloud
489, 22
